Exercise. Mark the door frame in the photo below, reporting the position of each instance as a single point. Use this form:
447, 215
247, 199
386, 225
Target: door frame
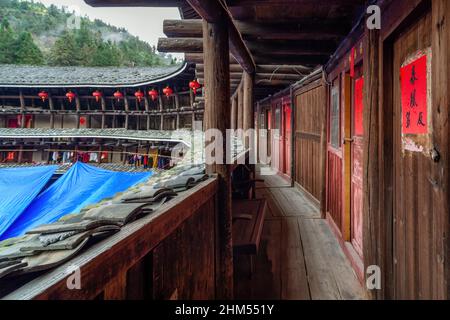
347, 156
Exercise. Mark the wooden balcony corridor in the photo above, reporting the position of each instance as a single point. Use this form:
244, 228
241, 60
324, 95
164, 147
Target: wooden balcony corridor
299, 257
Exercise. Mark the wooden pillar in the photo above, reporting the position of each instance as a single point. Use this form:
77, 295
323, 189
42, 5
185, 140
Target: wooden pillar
192, 99
233, 112
441, 101
103, 104
293, 135
78, 110
247, 89
177, 107
22, 110
217, 116
124, 155
147, 110
52, 114
161, 123
20, 155
114, 118
323, 149
127, 110
240, 108
372, 242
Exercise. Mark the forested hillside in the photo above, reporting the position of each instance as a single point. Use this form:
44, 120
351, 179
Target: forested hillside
31, 33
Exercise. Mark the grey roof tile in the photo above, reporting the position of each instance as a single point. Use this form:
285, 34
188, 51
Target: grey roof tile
45, 76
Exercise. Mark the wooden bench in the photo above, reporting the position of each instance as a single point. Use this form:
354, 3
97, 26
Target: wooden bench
248, 221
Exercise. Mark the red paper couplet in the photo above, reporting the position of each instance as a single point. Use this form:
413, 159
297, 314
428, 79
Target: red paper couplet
359, 106
414, 97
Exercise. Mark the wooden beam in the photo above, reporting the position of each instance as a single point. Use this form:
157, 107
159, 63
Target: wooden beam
217, 116
135, 3
279, 76
267, 82
183, 45
252, 3
304, 47
233, 68
213, 10
307, 60
298, 69
198, 58
274, 60
300, 47
233, 75
264, 76
302, 29
232, 81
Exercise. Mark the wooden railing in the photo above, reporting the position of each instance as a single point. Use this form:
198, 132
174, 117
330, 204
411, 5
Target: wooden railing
169, 254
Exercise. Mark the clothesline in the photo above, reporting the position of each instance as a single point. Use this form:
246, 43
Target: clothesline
112, 152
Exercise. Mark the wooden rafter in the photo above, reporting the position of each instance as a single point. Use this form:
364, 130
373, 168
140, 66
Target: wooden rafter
303, 29
213, 10
134, 3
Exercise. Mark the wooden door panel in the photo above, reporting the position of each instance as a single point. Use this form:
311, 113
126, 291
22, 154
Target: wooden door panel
334, 194
413, 200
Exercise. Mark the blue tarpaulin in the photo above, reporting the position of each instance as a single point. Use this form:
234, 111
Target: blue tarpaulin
18, 188
82, 185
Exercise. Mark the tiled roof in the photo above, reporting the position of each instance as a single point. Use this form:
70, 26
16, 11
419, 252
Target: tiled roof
62, 168
38, 76
142, 135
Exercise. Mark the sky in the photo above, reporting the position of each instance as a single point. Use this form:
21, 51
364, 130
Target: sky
146, 23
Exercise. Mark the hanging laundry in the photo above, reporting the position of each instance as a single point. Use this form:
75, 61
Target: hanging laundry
145, 161
10, 156
93, 157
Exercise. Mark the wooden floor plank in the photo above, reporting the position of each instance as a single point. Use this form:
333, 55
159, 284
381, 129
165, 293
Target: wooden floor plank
294, 280
299, 256
321, 282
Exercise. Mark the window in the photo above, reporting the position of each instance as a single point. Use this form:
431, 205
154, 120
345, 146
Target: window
335, 118
277, 118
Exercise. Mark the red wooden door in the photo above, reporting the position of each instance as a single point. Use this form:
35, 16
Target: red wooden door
287, 139
357, 168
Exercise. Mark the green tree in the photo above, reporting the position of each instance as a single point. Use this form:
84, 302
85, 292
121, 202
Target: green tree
65, 51
86, 43
6, 43
107, 54
26, 51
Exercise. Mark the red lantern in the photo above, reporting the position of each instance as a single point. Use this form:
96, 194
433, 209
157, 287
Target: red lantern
97, 94
118, 95
194, 85
167, 91
153, 94
43, 95
139, 95
70, 95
